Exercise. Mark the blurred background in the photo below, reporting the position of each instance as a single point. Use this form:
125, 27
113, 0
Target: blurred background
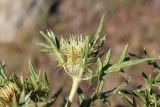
132, 22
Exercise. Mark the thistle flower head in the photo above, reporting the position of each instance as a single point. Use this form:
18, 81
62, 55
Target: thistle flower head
7, 91
76, 53
72, 49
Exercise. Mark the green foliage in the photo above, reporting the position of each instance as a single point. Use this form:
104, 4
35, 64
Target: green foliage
29, 92
149, 92
76, 67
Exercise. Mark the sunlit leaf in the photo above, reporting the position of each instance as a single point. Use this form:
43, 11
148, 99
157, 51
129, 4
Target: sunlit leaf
117, 67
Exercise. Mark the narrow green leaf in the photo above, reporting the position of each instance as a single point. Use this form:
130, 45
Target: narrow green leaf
18, 82
114, 91
81, 95
51, 39
99, 31
32, 71
55, 40
99, 68
117, 67
46, 82
157, 78
54, 43
46, 48
98, 90
140, 95
2, 71
101, 24
122, 57
34, 76
107, 58
27, 97
14, 102
131, 103
148, 80
22, 97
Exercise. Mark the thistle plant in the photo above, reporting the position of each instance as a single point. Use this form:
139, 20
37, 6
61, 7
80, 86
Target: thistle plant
147, 93
29, 92
77, 55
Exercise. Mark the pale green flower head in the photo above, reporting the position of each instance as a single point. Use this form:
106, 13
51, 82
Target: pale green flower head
73, 49
77, 53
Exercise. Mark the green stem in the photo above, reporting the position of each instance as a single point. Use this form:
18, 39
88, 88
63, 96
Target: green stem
75, 86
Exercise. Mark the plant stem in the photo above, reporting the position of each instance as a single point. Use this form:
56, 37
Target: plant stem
75, 85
